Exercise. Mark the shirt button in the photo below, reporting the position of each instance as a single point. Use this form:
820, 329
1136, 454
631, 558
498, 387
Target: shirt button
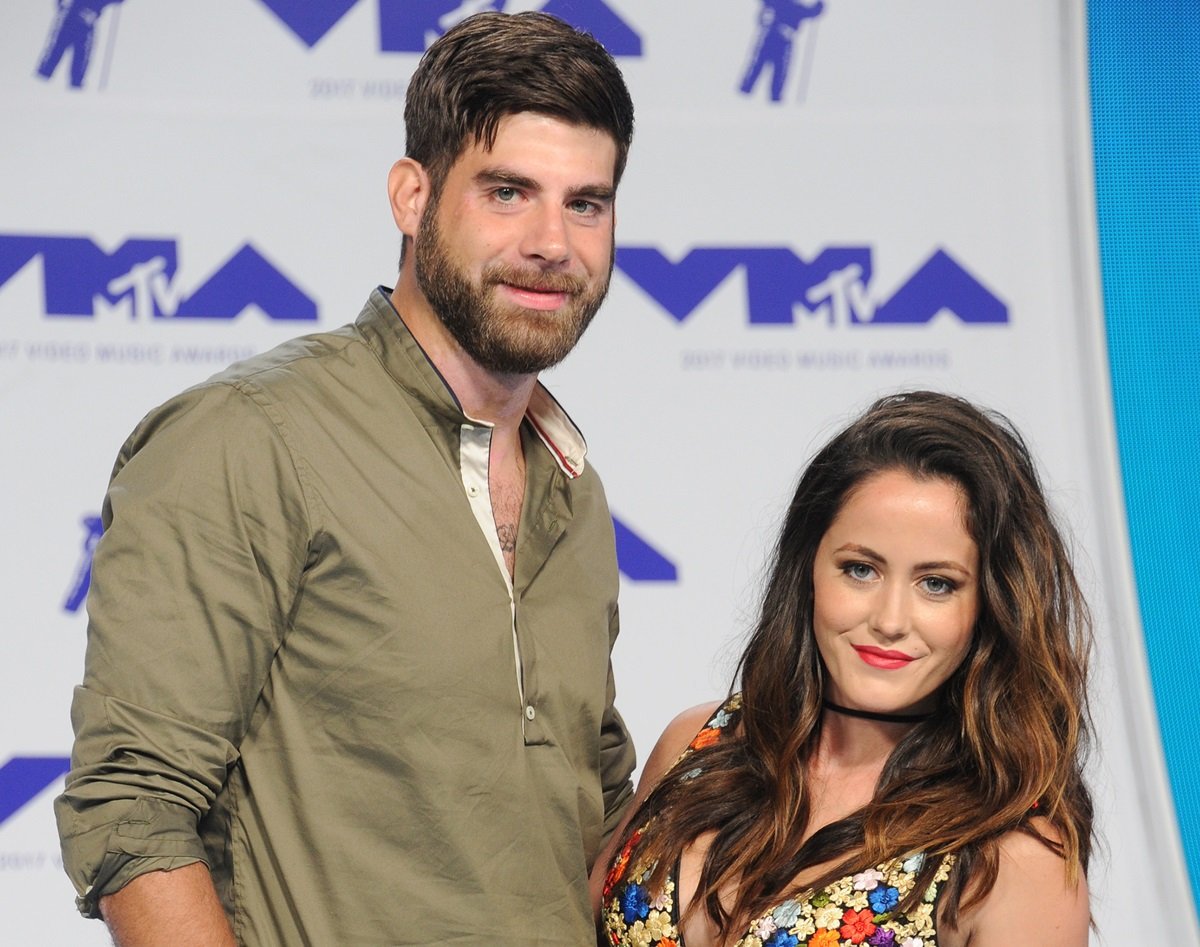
473, 491
530, 713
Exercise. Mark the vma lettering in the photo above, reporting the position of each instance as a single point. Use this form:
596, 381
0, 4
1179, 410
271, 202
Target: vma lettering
140, 274
834, 288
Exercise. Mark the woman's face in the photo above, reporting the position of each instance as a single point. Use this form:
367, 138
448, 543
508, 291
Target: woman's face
895, 593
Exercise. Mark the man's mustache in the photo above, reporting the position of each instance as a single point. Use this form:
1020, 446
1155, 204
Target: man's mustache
533, 279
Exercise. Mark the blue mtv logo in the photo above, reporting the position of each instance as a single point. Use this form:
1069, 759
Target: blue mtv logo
409, 26
140, 273
782, 24
834, 288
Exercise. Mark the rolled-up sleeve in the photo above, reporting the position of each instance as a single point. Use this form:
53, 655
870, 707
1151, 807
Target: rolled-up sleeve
206, 536
617, 755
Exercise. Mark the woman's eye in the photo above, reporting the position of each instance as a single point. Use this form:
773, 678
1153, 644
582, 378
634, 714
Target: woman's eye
858, 570
936, 585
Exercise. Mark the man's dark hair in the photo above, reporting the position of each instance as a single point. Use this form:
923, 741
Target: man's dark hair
494, 64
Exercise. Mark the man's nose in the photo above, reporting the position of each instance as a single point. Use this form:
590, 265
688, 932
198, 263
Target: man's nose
546, 237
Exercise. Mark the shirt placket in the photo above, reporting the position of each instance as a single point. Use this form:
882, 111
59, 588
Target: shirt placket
475, 441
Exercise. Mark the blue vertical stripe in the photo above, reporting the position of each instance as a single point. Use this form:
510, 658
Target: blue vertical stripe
1145, 87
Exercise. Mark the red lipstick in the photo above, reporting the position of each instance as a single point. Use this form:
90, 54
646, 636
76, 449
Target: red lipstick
885, 660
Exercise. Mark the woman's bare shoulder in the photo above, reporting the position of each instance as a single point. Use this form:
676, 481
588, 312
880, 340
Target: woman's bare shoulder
678, 734
1034, 900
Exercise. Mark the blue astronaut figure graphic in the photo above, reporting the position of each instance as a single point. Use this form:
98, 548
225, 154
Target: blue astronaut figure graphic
779, 23
73, 30
77, 593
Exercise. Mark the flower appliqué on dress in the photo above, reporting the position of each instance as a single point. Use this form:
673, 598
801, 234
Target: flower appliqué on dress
858, 909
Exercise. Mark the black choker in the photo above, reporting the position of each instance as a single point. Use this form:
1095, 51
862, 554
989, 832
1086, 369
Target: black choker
871, 715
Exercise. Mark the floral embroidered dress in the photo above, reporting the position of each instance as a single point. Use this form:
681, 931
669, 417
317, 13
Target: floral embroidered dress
851, 911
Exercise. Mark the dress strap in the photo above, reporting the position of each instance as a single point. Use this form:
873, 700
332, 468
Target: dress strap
724, 719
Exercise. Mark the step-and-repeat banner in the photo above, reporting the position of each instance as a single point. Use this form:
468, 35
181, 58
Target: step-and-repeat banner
825, 201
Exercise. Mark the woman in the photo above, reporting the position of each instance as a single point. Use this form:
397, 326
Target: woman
902, 765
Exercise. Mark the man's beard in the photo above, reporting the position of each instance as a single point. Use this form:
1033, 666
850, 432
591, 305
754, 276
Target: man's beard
507, 339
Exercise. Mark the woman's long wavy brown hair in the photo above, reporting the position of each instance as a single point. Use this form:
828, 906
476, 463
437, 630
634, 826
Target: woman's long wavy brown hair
1008, 739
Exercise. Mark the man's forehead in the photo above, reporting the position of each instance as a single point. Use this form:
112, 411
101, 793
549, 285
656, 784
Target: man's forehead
530, 122
523, 135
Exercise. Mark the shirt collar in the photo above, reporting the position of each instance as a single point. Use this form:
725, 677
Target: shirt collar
545, 415
557, 431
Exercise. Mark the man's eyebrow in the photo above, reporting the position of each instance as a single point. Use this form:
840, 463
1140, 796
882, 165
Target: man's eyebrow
600, 193
506, 177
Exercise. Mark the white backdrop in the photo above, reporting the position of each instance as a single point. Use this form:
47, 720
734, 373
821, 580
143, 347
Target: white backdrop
932, 132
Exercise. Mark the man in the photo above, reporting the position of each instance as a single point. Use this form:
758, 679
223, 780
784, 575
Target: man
348, 674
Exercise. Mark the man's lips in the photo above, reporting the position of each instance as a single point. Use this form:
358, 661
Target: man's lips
879, 658
531, 288
534, 297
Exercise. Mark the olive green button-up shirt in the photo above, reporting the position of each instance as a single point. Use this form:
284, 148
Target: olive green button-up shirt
307, 667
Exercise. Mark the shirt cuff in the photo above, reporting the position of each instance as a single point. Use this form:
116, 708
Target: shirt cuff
152, 835
124, 869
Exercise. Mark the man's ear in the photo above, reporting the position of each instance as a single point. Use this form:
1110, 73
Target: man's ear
408, 191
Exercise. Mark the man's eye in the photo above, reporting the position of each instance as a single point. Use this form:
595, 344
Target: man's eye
506, 195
